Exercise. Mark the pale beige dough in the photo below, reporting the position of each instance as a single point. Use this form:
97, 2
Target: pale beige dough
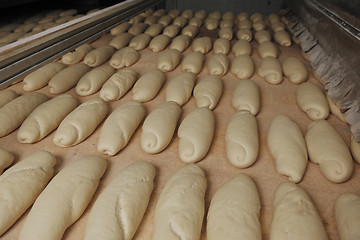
148, 85
64, 199
244, 34
188, 13
355, 149
45, 118
334, 109
80, 123
180, 43
147, 12
256, 17
120, 41
125, 57
242, 67
246, 96
241, 47
180, 21
218, 64
202, 44
21, 184
137, 28
99, 56
180, 208
262, 36
201, 14
215, 14
171, 31
227, 23
195, 21
77, 55
169, 60
13, 114
277, 26
174, 13
273, 17
137, 19
151, 20
226, 32
234, 211
195, 133
154, 29
295, 215
140, 41
159, 43
207, 91
6, 159
119, 127
193, 62
282, 38
228, 16
259, 25
118, 84
268, 49
221, 45
129, 193
165, 20
244, 24
159, 127
180, 88
270, 69
6, 96
160, 12
121, 28
242, 16
190, 30
295, 70
312, 101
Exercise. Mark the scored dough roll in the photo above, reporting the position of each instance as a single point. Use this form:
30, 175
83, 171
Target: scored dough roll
180, 88
267, 49
169, 60
171, 31
262, 36
207, 92
6, 96
218, 64
121, 28
139, 42
125, 57
282, 38
270, 69
202, 44
6, 159
221, 45
138, 28
246, 96
159, 43
154, 29
99, 56
77, 55
244, 34
242, 66
193, 62
241, 47
180, 43
295, 70
148, 85
121, 40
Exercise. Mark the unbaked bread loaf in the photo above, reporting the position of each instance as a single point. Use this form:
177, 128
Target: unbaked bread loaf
195, 21
262, 36
171, 31
268, 49
355, 149
218, 64
226, 32
6, 96
180, 43
207, 91
193, 62
246, 96
180, 21
221, 45
180, 88
140, 41
270, 69
121, 40
99, 56
154, 29
282, 38
244, 34
77, 55
6, 159
138, 28
148, 85
202, 44
190, 30
169, 60
159, 43
125, 57
165, 20
295, 70
121, 28
242, 67
241, 47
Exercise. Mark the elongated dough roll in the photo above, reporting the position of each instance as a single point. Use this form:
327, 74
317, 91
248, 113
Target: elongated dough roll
64, 199
171, 31
295, 215
334, 109
129, 194
277, 26
295, 70
180, 88
180, 43
234, 211
241, 47
195, 21
137, 19
21, 184
41, 77
6, 159
201, 14
159, 43
202, 44
215, 15
312, 101
99, 56
242, 67
258, 25
262, 36
13, 114
273, 17
207, 92
138, 28
327, 148
180, 21
190, 30
174, 13
282, 38
119, 127
80, 123
6, 96
221, 45
196, 132
165, 20
150, 20
77, 55
355, 149
45, 118
270, 69
211, 23
246, 96
218, 64
118, 84
193, 62
159, 126
242, 16
226, 32
125, 57
148, 85
244, 24
287, 146
242, 139
154, 29
226, 23
169, 60
140, 41
268, 49
160, 12
121, 40
244, 34
180, 209
121, 28
67, 78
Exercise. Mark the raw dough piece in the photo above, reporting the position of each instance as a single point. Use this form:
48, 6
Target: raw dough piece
295, 70
270, 69
207, 92
17, 110
121, 40
196, 132
118, 210
259, 25
242, 67
228, 16
202, 44
215, 14
188, 13
160, 12
226, 32
77, 55
334, 109
69, 12
45, 118
180, 208
174, 13
147, 12
234, 211
195, 22
64, 199
180, 21
312, 101
256, 17
355, 149
287, 146
125, 57
171, 31
244, 34
201, 14
190, 31
159, 127
67, 78
241, 47
246, 96
242, 139
121, 28
327, 148
180, 88
267, 49
93, 80
25, 27
262, 36
180, 43
244, 24
118, 84
277, 26
273, 17
6, 96
119, 127
11, 37
221, 45
137, 19
138, 28
282, 38
227, 23
40, 77
218, 64
159, 43
99, 56
165, 20
242, 16
150, 20
193, 62
295, 215
154, 29
140, 41
80, 123
148, 85
169, 60
6, 159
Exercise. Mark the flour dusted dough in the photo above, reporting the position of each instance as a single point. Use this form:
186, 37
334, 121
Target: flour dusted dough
180, 88
234, 211
226, 32
21, 184
154, 29
159, 126
77, 55
270, 69
312, 101
6, 159
129, 194
159, 43
262, 36
140, 41
190, 30
180, 208
180, 43
6, 96
125, 57
169, 60
148, 85
242, 67
202, 44
80, 123
221, 45
241, 47
64, 199
282, 38
121, 40
196, 132
193, 62
295, 215
267, 49
99, 56
246, 96
207, 91
355, 149
295, 70
119, 127
218, 64
244, 34
171, 31
138, 28
45, 118
327, 148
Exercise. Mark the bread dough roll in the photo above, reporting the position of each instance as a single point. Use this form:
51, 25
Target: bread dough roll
160, 12
180, 21
228, 16
6, 96
154, 29
118, 84
40, 77
69, 12
180, 43
159, 126
174, 13
244, 34
64, 199
221, 45
99, 56
218, 64
180, 88
295, 70
159, 43
190, 30
258, 25
77, 55
6, 159
215, 14
270, 69
295, 215
267, 49
80, 123
201, 14
17, 110
171, 31
256, 17
129, 194
121, 40
195, 21
282, 38
244, 24
137, 19
125, 57
262, 36
180, 208
165, 20
327, 148
207, 92
45, 118
193, 62
148, 85
140, 41
355, 149
188, 13
277, 26
242, 67
138, 28
203, 45
226, 32
227, 23
119, 127
273, 17
312, 101
241, 47
196, 132
246, 96
334, 109
150, 20
234, 211
242, 16
169, 60
211, 23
